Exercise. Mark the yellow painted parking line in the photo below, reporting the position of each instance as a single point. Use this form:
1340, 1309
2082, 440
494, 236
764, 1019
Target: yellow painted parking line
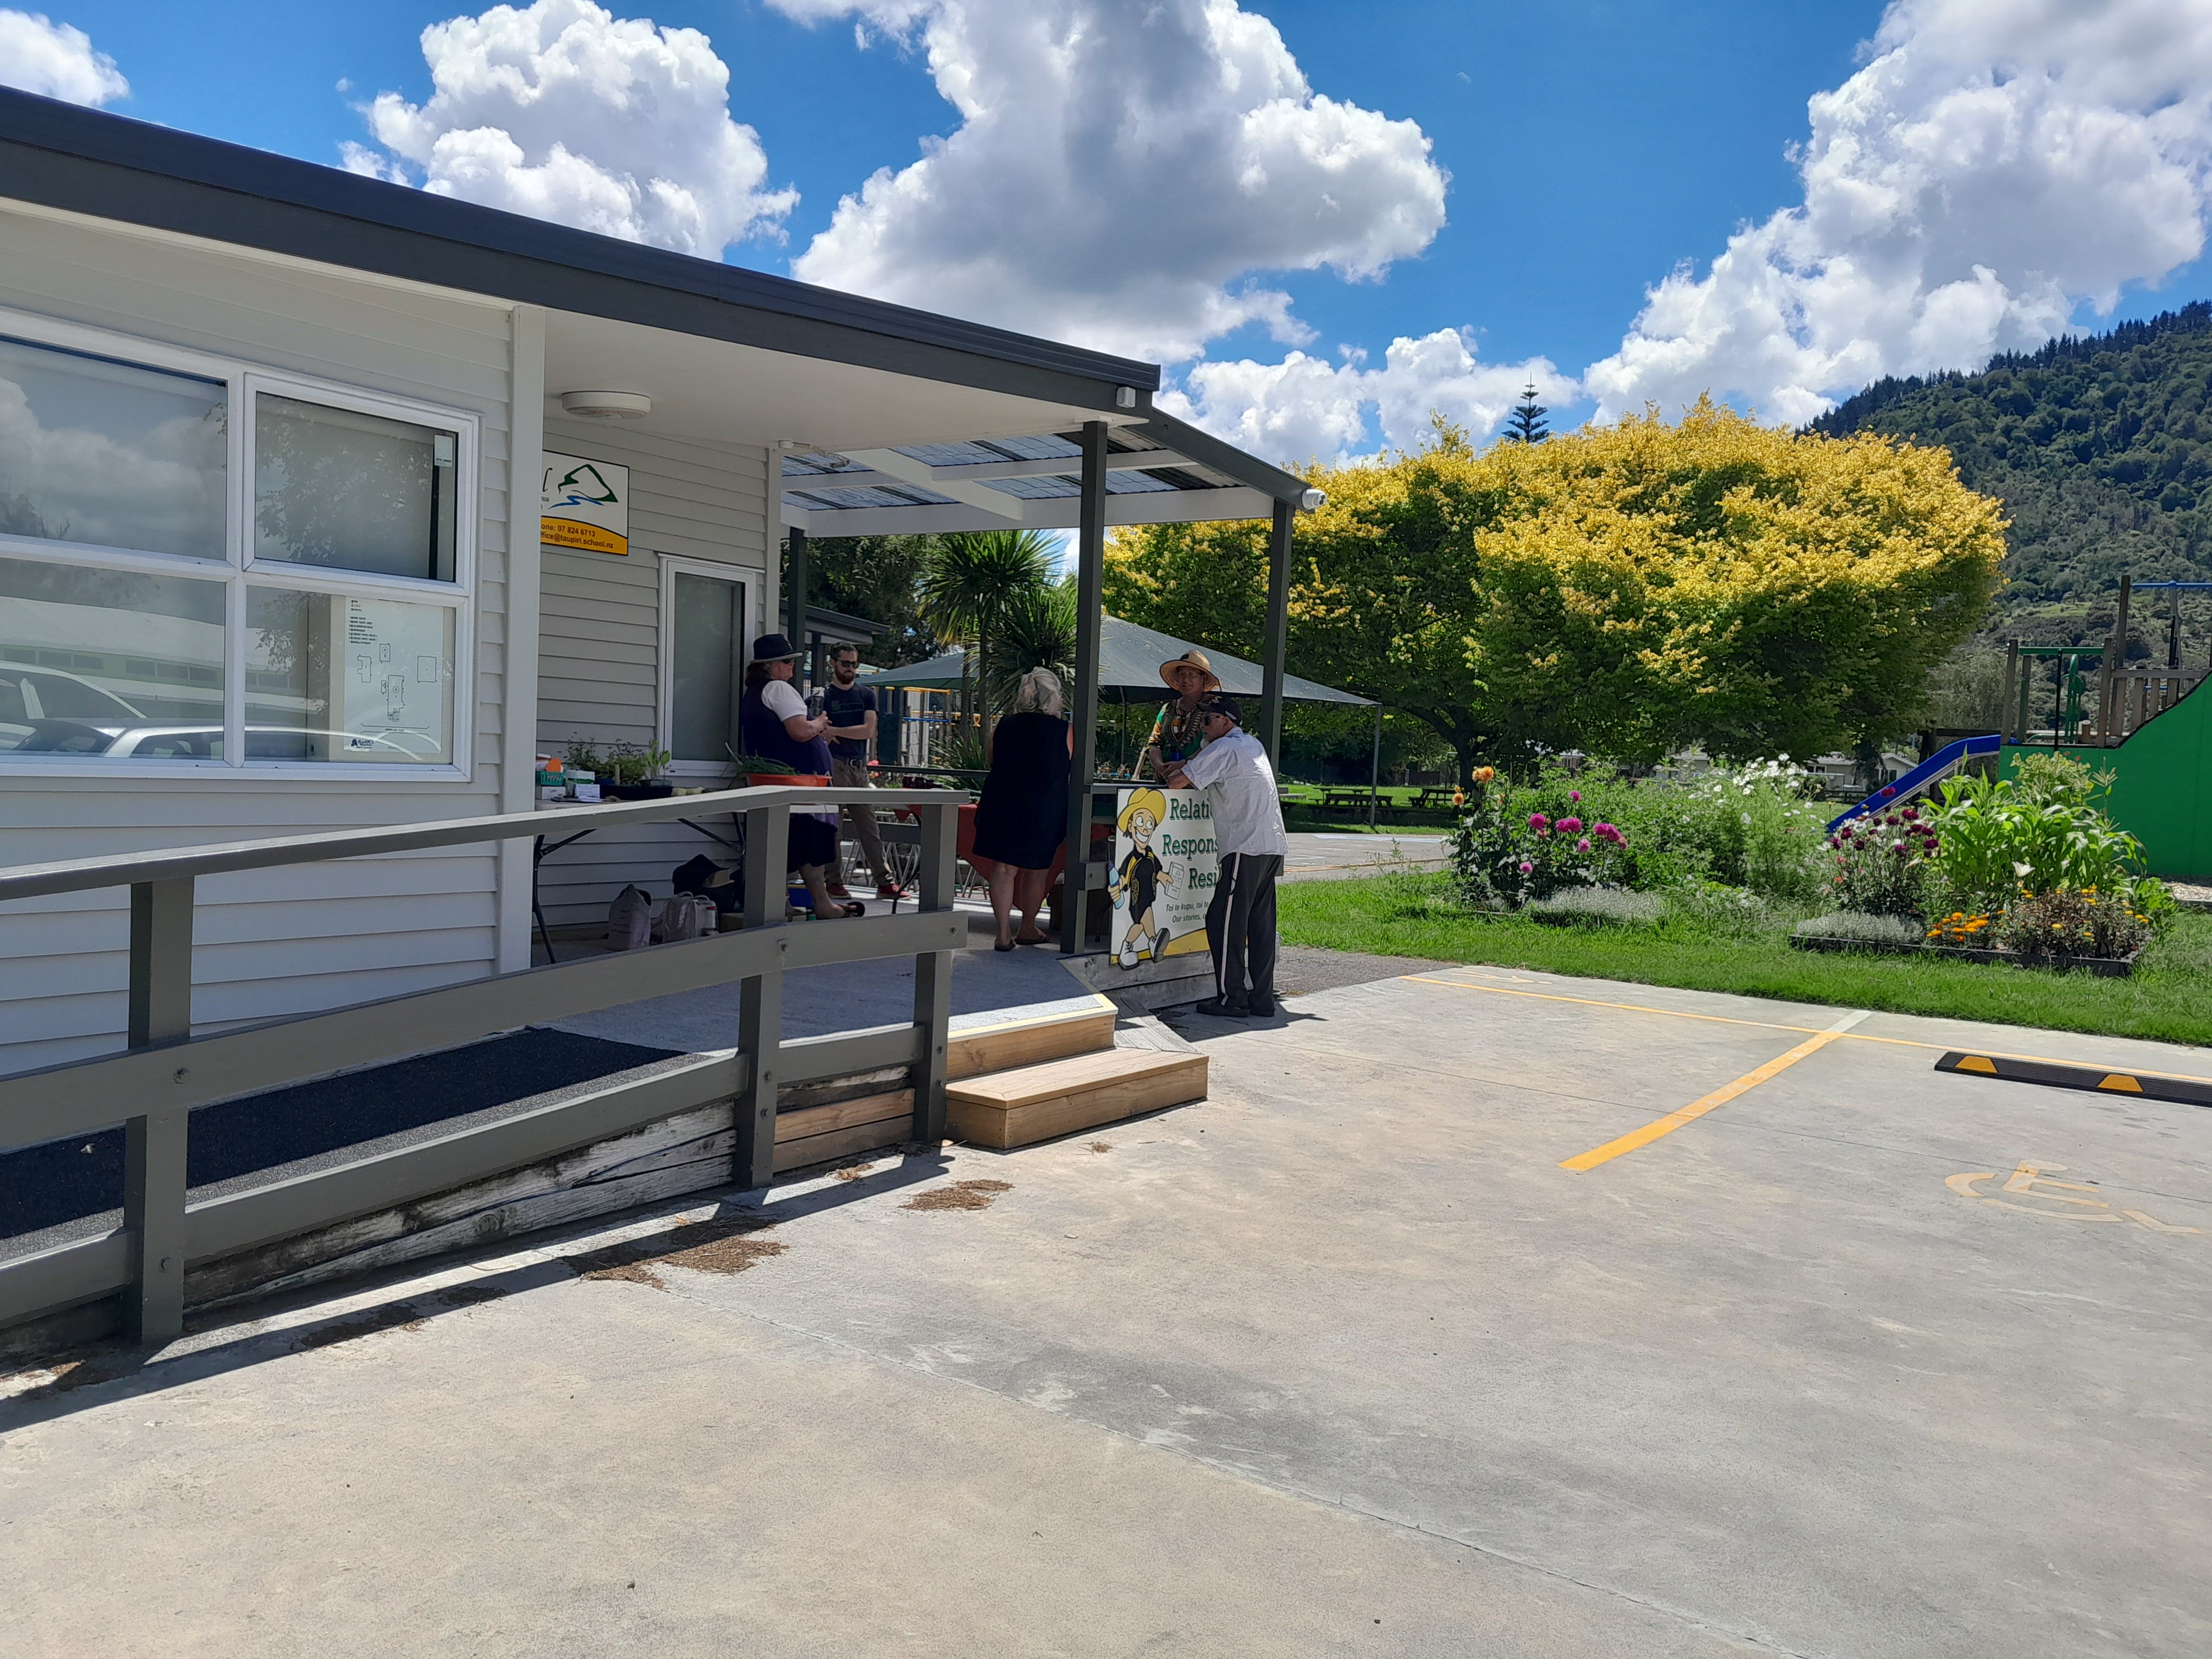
1720, 1097
1775, 1025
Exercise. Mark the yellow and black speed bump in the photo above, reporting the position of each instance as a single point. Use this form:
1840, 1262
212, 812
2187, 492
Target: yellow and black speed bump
2190, 1091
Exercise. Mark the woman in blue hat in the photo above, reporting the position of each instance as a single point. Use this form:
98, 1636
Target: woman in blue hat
773, 724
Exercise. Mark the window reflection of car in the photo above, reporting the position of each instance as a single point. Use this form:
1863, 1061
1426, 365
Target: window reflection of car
31, 696
201, 741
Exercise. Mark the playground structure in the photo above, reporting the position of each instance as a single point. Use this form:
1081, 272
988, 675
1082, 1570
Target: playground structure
2128, 698
2146, 732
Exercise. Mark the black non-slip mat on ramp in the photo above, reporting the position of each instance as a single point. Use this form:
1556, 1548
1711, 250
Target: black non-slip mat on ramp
62, 1180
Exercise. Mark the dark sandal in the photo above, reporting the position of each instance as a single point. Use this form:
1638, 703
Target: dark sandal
1008, 945
855, 909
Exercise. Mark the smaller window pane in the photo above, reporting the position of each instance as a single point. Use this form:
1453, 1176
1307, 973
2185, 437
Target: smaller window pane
708, 626
342, 678
110, 454
353, 492
109, 663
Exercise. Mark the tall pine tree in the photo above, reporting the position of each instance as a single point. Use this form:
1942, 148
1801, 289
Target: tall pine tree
1526, 424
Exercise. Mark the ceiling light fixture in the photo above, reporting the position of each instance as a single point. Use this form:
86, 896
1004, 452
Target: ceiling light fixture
606, 405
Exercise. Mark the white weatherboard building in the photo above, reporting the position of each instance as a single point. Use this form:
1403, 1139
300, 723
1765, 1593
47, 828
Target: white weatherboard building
278, 447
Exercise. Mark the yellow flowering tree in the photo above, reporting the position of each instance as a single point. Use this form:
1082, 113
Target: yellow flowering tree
1626, 590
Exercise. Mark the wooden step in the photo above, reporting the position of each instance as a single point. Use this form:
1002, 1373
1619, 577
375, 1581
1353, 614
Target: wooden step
1028, 1042
1036, 1103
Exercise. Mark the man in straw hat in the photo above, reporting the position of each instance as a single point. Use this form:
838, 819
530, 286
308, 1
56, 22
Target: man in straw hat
1179, 733
1247, 829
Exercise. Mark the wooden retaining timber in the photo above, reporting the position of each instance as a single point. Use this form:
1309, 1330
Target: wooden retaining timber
1020, 1082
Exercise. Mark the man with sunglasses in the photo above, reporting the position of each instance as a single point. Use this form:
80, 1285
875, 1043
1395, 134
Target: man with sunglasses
1248, 827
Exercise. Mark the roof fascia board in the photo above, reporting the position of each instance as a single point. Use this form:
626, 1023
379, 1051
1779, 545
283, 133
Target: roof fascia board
1209, 451
1052, 513
107, 167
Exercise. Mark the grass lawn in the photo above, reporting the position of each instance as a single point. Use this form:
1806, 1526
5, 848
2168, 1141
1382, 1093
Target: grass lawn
2168, 998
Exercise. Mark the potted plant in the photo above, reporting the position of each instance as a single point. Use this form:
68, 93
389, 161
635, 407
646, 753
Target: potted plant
635, 771
759, 772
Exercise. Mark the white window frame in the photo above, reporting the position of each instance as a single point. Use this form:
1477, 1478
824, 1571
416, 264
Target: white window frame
751, 578
239, 570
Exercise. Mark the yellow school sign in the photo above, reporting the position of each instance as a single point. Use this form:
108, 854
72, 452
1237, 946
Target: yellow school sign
583, 504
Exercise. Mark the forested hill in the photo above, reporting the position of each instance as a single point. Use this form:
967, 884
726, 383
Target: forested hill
2100, 447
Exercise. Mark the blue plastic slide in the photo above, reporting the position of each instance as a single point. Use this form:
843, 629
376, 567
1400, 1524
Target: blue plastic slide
1923, 777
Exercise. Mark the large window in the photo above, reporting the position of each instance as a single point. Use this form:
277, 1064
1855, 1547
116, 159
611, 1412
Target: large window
703, 635
201, 564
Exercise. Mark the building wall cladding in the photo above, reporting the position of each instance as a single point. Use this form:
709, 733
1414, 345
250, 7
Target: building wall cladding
601, 636
287, 941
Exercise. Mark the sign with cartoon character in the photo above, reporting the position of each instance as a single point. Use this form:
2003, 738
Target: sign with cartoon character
583, 504
1165, 868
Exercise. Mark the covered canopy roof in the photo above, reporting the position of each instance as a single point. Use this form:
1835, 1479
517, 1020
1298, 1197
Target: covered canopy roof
1129, 659
927, 423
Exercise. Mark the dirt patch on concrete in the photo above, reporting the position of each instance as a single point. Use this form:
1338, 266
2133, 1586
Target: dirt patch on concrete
960, 1195
708, 1247
400, 1316
1102, 1145
853, 1172
68, 1375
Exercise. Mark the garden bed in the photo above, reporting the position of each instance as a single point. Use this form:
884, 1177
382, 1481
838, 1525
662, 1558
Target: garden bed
2102, 967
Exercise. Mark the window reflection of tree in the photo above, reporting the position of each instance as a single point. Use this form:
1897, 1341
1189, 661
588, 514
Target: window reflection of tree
292, 632
351, 492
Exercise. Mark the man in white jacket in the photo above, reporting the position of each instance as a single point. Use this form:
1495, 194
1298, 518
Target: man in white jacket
1248, 826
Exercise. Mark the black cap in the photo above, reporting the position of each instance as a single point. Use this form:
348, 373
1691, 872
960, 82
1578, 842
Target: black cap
773, 647
1222, 703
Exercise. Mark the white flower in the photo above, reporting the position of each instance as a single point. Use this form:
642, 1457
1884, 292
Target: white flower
2021, 869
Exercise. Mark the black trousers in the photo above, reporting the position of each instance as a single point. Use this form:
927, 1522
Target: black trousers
1240, 928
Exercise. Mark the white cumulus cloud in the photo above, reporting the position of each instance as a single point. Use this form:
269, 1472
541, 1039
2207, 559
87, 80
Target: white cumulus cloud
1993, 163
1123, 174
1305, 407
562, 111
56, 61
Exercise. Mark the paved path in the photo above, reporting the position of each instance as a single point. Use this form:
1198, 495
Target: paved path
1342, 1362
1321, 855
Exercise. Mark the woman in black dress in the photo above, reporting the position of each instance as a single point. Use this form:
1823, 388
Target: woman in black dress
1022, 818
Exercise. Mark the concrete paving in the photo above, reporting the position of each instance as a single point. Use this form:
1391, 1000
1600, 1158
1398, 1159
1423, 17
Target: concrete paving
1341, 1361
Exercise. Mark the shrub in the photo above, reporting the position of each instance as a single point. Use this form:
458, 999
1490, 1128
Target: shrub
1714, 907
2072, 922
1884, 863
1858, 926
1601, 907
1502, 853
2042, 829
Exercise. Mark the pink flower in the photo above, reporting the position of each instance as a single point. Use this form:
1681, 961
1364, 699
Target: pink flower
1574, 794
1582, 845
1527, 868
1570, 826
1539, 823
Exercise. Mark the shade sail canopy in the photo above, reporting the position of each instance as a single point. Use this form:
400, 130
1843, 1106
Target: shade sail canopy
1129, 659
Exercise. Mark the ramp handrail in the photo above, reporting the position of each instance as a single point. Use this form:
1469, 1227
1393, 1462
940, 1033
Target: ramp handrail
152, 1086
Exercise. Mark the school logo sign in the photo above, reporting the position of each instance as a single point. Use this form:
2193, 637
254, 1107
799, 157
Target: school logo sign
583, 504
1166, 864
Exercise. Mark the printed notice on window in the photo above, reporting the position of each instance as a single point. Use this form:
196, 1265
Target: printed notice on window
397, 680
585, 504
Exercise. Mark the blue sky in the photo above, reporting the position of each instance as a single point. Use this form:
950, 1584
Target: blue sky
1593, 147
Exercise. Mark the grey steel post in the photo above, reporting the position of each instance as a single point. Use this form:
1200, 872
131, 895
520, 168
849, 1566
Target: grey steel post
1375, 767
933, 974
153, 1142
760, 998
795, 591
1083, 700
1275, 640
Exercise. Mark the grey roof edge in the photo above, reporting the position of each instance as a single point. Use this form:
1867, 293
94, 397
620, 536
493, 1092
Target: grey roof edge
1208, 450
61, 155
